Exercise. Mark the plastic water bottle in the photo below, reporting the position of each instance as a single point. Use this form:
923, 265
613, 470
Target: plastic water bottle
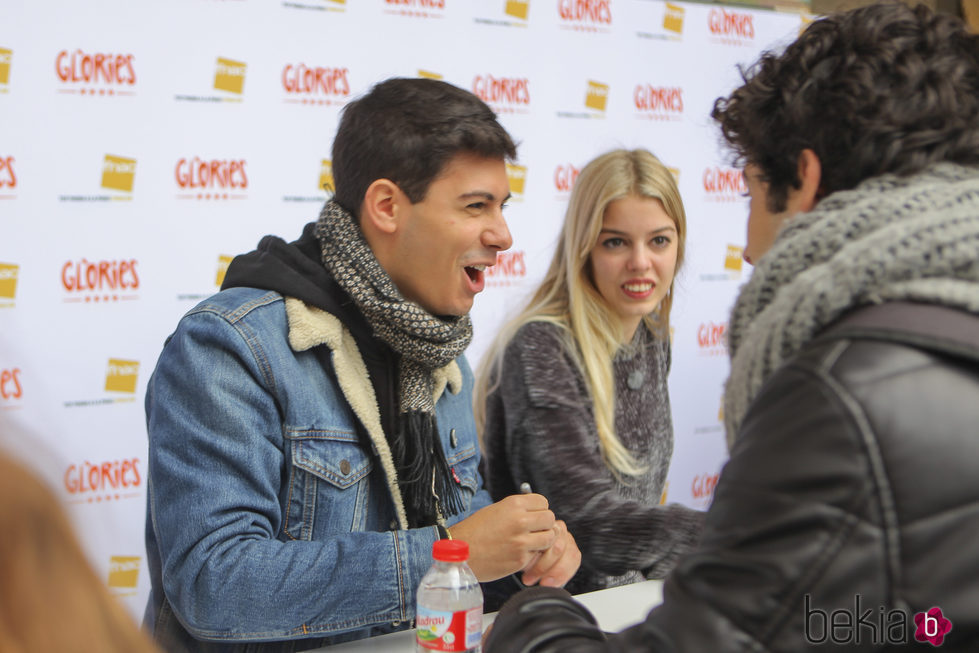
450, 602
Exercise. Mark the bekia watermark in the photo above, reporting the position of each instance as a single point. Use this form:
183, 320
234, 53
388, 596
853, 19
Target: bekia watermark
879, 627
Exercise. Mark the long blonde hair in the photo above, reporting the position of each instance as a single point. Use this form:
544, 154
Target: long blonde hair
50, 598
567, 296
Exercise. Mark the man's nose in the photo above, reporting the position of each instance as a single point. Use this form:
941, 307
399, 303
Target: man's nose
497, 236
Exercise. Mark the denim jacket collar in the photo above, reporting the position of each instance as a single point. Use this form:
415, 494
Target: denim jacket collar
310, 327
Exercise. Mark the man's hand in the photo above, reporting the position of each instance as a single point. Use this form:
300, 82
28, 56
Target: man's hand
515, 534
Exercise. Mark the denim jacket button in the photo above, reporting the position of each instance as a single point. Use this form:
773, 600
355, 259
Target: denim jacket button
393, 525
453, 439
344, 467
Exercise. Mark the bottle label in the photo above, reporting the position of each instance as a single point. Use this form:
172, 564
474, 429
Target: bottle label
449, 631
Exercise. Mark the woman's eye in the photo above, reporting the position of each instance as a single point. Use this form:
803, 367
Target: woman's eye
661, 241
613, 242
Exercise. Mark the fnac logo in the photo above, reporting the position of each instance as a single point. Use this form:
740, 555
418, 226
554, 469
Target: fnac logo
10, 385
724, 184
517, 176
124, 572
96, 482
315, 84
586, 15
223, 262
8, 280
673, 18
326, 175
733, 26
504, 94
564, 177
8, 177
6, 57
517, 8
734, 258
88, 281
118, 173
510, 268
702, 487
711, 338
596, 96
121, 375
805, 19
658, 102
229, 76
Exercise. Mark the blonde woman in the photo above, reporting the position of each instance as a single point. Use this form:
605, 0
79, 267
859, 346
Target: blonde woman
50, 598
572, 395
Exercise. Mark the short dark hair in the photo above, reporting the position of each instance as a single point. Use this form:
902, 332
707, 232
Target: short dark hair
879, 89
407, 130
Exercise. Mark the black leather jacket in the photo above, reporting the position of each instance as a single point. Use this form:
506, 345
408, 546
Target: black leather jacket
849, 504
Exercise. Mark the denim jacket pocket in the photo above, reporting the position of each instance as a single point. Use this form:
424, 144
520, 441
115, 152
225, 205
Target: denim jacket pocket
464, 465
328, 484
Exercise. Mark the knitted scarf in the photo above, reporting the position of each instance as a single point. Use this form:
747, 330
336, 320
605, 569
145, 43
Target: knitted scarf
912, 238
425, 343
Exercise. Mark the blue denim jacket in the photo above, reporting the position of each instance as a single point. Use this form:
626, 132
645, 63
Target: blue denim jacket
267, 517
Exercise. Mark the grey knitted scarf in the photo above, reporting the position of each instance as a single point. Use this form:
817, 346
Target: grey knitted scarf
891, 238
425, 343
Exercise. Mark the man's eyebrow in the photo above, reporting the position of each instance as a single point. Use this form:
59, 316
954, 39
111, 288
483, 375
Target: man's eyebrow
485, 194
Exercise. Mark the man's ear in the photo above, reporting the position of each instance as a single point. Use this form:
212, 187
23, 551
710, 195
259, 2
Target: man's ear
380, 208
811, 175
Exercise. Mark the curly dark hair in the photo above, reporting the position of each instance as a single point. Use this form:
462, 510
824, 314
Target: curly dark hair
879, 89
407, 130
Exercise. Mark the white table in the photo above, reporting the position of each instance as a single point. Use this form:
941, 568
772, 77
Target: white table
615, 609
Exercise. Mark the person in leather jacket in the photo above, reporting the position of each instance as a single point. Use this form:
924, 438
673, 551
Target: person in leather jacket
847, 512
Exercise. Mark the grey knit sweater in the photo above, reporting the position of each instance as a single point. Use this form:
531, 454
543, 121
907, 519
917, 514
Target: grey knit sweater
913, 238
540, 429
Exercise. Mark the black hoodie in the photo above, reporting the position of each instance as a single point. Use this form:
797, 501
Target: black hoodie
296, 270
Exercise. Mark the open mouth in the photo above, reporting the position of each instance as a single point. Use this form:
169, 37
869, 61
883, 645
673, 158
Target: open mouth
475, 275
475, 272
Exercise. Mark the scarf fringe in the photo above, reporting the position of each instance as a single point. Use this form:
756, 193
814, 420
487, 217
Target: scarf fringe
427, 482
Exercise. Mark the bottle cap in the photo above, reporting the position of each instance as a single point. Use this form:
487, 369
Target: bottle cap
450, 550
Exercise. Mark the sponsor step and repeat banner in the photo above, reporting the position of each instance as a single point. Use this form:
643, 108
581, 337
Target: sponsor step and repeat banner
141, 148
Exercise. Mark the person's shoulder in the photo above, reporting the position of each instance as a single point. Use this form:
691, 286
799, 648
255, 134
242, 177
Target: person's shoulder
236, 303
540, 350
539, 334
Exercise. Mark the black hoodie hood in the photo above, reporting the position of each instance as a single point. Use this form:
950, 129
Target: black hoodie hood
296, 270
291, 269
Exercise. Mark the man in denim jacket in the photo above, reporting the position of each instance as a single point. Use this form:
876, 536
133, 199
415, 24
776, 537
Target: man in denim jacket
310, 426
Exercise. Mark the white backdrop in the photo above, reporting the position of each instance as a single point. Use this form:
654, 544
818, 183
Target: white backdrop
142, 145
